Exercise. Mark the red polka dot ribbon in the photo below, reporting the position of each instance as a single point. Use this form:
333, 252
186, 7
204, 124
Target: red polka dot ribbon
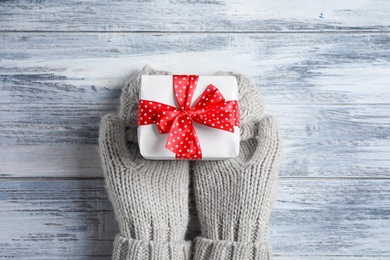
210, 109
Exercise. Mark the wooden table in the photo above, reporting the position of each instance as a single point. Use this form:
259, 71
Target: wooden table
323, 68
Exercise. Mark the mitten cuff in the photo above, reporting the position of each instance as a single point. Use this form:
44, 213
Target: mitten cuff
206, 249
131, 249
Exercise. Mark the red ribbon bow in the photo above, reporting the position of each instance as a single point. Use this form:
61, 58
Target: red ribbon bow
210, 109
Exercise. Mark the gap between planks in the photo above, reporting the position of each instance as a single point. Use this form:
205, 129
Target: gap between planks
333, 178
205, 32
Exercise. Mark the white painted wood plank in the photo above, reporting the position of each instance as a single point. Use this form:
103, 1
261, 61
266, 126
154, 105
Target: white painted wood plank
56, 160
197, 16
289, 68
55, 219
62, 219
52, 123
335, 141
320, 141
347, 211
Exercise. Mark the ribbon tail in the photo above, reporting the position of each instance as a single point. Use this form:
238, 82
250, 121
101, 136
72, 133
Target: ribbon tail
194, 151
182, 139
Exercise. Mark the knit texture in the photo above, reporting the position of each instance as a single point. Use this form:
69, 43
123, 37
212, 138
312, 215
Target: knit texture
250, 102
234, 198
150, 198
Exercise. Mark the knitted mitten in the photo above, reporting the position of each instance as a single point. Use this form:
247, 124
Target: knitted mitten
234, 197
150, 198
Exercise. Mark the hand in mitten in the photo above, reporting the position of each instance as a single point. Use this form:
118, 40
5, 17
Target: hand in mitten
234, 197
150, 198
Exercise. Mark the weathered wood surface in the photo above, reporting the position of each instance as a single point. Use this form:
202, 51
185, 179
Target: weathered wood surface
289, 68
320, 141
63, 218
195, 16
324, 70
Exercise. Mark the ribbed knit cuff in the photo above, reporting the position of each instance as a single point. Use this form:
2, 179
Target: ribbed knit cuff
130, 249
206, 249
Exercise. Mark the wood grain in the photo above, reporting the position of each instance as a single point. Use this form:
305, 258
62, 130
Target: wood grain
323, 67
320, 141
195, 16
59, 160
64, 218
288, 68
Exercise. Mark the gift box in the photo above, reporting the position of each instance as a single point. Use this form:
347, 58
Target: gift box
188, 117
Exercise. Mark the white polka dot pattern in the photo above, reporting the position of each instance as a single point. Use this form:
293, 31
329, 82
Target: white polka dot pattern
210, 109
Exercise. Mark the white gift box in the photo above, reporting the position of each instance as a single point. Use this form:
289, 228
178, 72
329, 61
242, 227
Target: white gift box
215, 144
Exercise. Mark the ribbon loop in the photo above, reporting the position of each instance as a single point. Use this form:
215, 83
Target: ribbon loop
210, 98
210, 109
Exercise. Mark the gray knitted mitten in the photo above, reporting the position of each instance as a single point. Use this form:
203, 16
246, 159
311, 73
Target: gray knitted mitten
150, 198
234, 197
